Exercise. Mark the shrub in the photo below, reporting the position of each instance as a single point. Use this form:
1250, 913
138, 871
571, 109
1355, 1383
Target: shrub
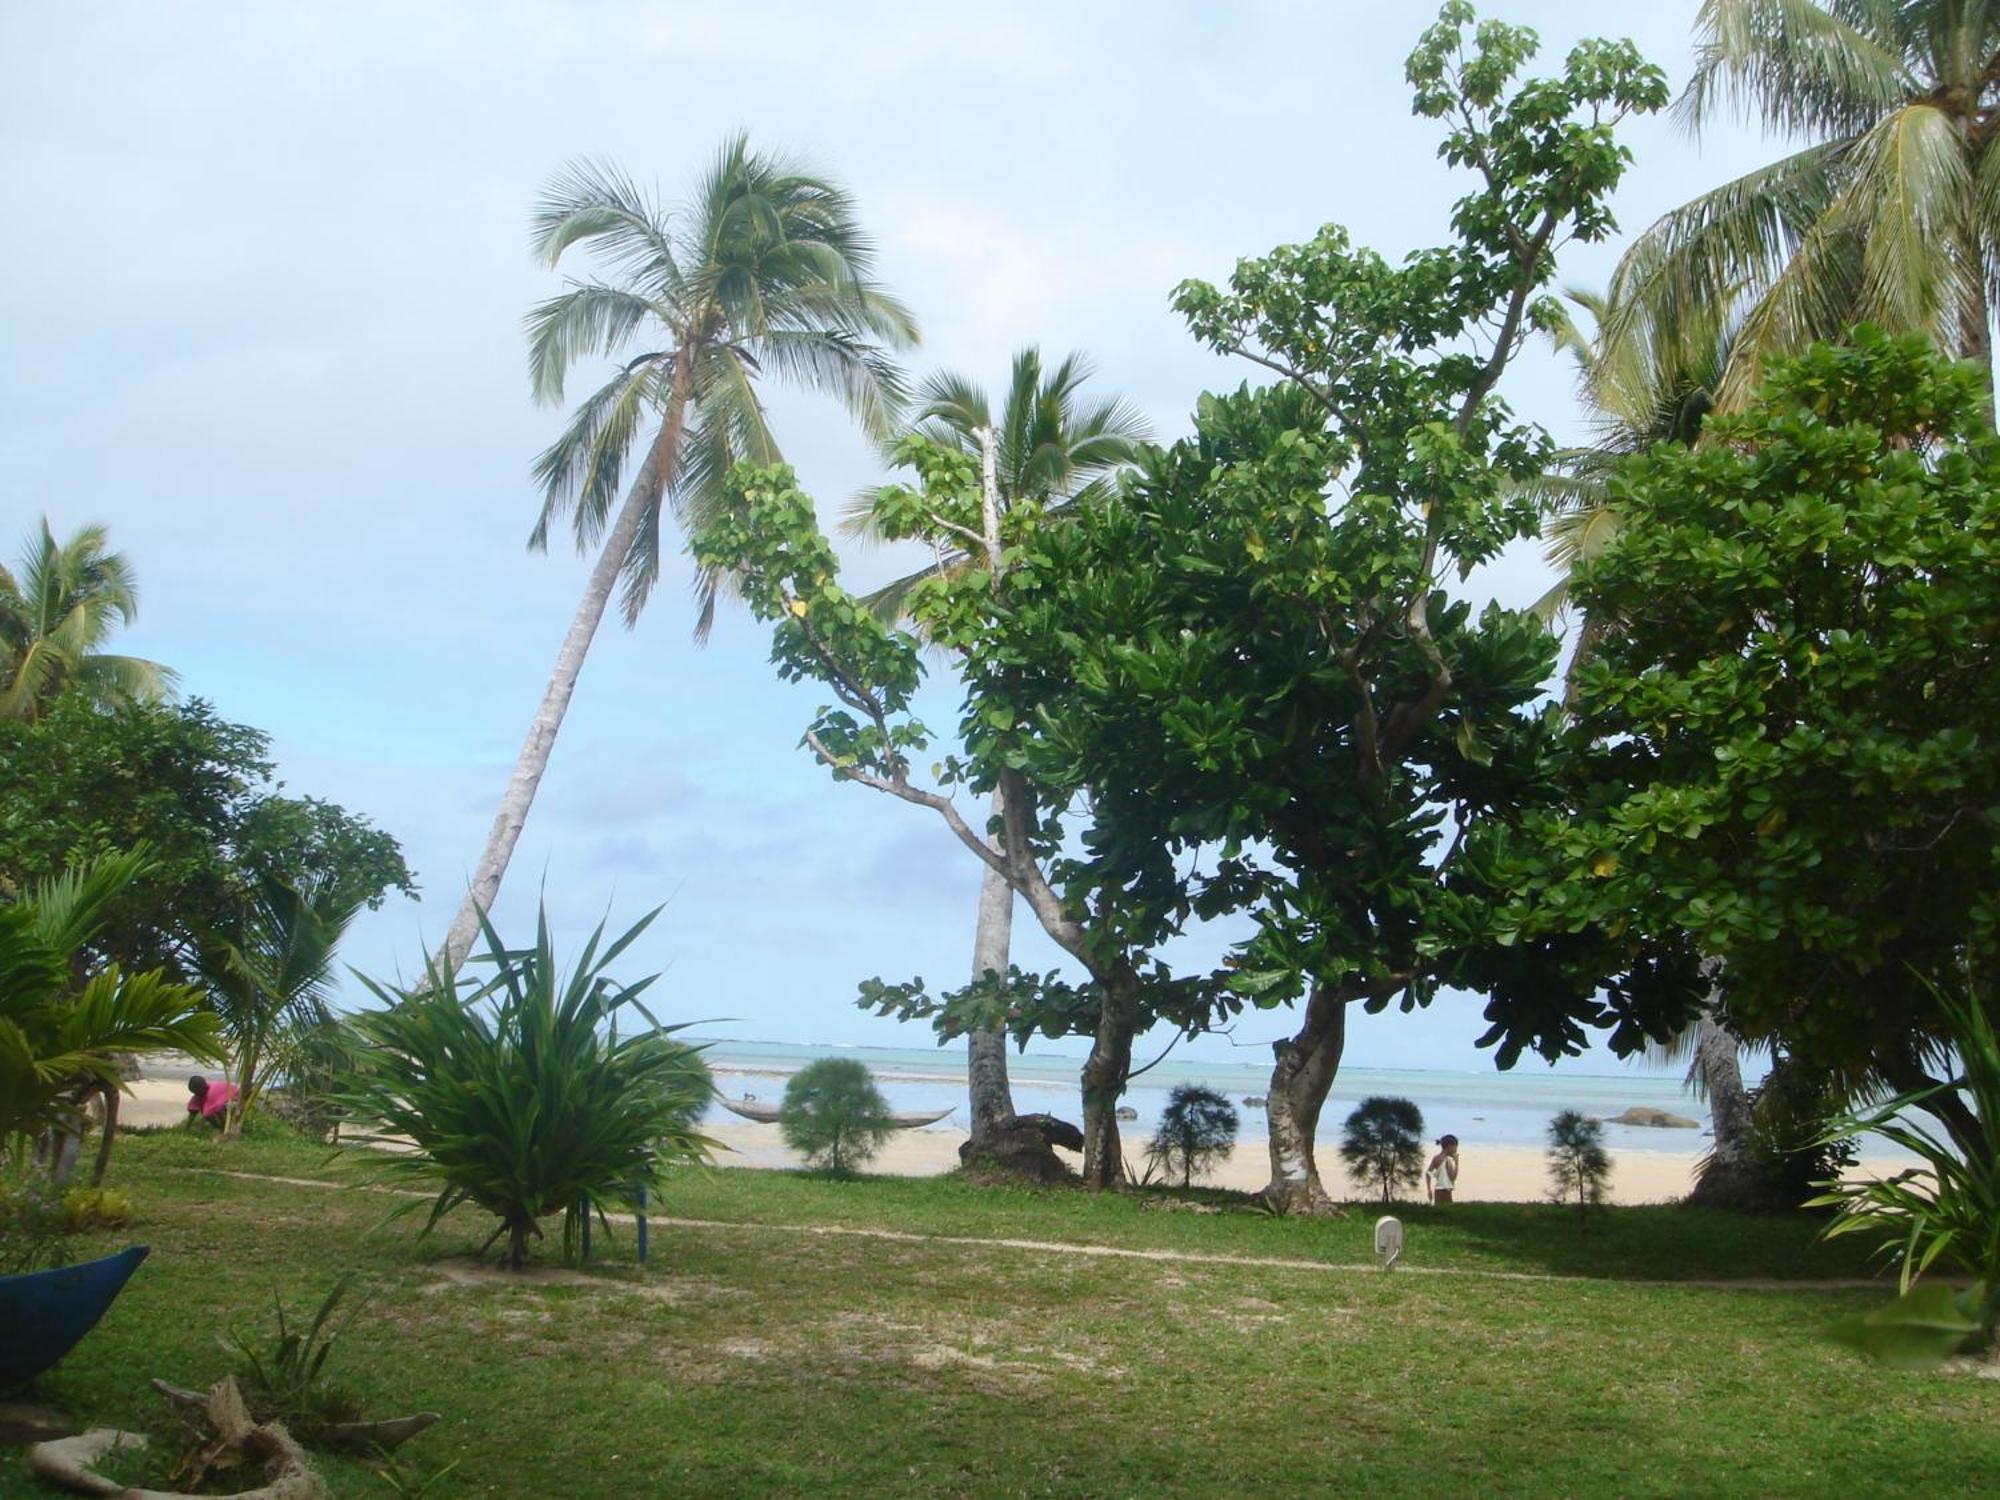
1197, 1129
519, 1092
833, 1115
34, 1226
95, 1208
1789, 1115
283, 1380
1382, 1145
1579, 1167
1945, 1212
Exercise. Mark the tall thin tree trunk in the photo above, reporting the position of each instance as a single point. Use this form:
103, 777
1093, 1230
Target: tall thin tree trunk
1732, 1176
991, 1101
647, 489
1976, 340
108, 1128
1300, 1080
1104, 1074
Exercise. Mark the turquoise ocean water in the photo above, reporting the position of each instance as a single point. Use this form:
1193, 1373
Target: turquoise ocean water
1502, 1109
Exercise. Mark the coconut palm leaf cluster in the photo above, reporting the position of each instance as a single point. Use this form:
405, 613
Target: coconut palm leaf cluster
56, 611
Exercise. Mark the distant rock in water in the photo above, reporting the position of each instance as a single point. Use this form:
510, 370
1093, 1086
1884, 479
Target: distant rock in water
1127, 1112
1659, 1119
1253, 1101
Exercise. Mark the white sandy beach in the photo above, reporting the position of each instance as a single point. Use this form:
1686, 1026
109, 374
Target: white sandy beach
1494, 1174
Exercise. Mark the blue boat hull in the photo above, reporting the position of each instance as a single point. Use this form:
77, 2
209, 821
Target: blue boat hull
44, 1313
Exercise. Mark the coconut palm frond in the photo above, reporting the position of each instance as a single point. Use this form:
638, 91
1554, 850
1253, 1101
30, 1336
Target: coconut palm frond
1798, 66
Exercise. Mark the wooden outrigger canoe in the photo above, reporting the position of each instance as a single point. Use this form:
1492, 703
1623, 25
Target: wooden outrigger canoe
767, 1114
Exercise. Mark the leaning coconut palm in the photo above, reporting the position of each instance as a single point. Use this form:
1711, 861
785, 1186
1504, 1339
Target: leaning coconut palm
1049, 448
56, 614
1891, 215
764, 269
519, 1095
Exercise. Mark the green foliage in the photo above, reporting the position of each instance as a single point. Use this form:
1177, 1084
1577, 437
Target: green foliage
516, 1092
833, 1114
1946, 1212
95, 1208
282, 1379
1231, 662
1382, 1144
1784, 750
1579, 1166
1921, 1327
197, 791
34, 1223
269, 975
55, 612
1789, 1115
65, 1018
1197, 1129
1881, 209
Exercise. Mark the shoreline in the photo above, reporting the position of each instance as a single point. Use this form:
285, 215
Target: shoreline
1491, 1173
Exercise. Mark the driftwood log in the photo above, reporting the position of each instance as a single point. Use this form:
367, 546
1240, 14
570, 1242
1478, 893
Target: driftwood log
287, 1473
336, 1437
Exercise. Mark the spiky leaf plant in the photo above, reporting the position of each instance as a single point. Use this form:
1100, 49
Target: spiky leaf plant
517, 1093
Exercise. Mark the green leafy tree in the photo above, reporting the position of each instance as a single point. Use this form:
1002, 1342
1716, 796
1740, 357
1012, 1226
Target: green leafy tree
65, 1016
198, 792
1282, 688
1579, 1166
56, 612
764, 269
1886, 213
788, 575
1382, 1144
1049, 448
1784, 754
1197, 1129
833, 1115
517, 1094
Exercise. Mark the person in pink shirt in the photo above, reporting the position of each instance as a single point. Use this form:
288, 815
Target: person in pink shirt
210, 1101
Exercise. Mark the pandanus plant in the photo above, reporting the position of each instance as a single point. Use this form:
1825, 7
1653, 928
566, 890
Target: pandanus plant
517, 1093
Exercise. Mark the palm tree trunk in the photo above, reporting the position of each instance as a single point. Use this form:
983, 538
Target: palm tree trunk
1975, 336
1300, 1081
991, 1101
1732, 1176
652, 482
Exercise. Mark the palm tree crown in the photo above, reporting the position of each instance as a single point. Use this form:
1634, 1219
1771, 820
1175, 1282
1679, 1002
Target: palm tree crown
765, 268
56, 613
1050, 445
1891, 213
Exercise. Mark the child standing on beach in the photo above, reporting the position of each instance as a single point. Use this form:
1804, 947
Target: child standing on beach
1442, 1173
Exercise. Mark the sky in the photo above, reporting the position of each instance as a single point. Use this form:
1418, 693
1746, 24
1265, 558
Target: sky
262, 302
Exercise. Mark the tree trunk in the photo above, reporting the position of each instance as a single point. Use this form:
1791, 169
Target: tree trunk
653, 481
109, 1129
991, 1101
1975, 333
1104, 1075
1300, 1081
1732, 1177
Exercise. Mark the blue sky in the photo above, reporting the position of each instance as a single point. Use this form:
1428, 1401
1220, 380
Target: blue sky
262, 294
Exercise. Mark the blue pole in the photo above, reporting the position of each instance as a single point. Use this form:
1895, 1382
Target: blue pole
583, 1209
642, 1223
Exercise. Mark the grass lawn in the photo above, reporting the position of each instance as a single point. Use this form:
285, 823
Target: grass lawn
810, 1336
